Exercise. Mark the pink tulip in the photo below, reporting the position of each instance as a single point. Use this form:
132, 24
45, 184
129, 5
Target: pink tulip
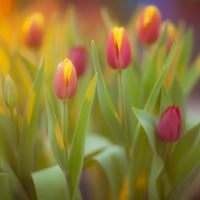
78, 55
65, 83
170, 125
118, 50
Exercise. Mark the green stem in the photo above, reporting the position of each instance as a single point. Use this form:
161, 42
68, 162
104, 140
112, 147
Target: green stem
122, 105
120, 90
64, 123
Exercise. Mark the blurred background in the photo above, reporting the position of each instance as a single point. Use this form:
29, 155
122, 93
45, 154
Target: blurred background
187, 11
121, 10
175, 10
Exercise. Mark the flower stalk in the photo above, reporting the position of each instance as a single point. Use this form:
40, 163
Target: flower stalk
65, 122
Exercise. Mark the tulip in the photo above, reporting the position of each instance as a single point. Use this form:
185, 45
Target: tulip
170, 125
78, 56
118, 49
148, 25
33, 30
65, 83
10, 92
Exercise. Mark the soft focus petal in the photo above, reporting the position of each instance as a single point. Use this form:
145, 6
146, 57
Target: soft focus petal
148, 25
78, 55
33, 30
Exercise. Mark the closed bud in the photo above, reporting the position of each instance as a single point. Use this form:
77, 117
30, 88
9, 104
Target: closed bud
118, 50
170, 125
33, 30
148, 25
10, 92
78, 56
65, 83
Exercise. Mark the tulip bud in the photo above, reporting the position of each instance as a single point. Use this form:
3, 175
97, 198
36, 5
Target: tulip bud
118, 49
65, 82
78, 56
10, 92
170, 125
148, 25
171, 33
33, 30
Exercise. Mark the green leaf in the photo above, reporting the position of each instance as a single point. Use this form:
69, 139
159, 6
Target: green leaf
149, 124
51, 184
151, 101
8, 147
190, 78
30, 122
185, 153
76, 155
187, 188
106, 103
17, 189
176, 94
5, 189
151, 62
185, 51
30, 67
95, 143
165, 99
113, 161
55, 136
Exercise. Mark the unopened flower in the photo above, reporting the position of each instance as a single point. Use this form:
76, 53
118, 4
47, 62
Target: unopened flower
33, 30
170, 125
10, 92
171, 34
65, 82
78, 55
118, 50
148, 25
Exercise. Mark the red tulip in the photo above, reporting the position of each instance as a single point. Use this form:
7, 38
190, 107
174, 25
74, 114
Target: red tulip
118, 50
78, 55
148, 25
170, 125
65, 82
33, 30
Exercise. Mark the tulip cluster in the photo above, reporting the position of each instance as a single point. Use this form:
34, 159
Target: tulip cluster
105, 122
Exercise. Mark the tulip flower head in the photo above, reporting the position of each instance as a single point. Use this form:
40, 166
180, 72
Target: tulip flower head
78, 56
33, 30
65, 83
170, 125
148, 25
118, 50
